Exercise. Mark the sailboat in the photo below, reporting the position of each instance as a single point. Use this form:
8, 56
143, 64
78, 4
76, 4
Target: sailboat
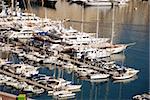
111, 47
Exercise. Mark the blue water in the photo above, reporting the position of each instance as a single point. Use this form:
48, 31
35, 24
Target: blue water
130, 26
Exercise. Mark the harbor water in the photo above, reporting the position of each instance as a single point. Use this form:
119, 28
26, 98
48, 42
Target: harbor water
131, 25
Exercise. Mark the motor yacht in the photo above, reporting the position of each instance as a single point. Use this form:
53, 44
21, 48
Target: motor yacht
63, 94
126, 74
23, 34
98, 76
56, 93
71, 87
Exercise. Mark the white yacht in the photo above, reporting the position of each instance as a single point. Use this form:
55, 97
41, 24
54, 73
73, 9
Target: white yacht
33, 89
50, 59
126, 80
28, 88
98, 3
114, 49
63, 94
68, 95
71, 87
98, 76
78, 38
25, 69
104, 2
83, 72
23, 34
56, 93
99, 53
128, 73
38, 90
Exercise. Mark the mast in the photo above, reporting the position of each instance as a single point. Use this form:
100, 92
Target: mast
24, 3
45, 13
112, 27
82, 12
12, 6
97, 26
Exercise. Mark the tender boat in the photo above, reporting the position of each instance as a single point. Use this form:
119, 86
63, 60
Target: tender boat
28, 89
71, 87
98, 76
56, 93
63, 94
37, 90
69, 95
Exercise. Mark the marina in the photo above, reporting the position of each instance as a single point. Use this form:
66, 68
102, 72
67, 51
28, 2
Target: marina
52, 55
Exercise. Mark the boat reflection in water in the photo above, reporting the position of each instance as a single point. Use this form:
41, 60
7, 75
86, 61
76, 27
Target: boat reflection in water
118, 57
47, 3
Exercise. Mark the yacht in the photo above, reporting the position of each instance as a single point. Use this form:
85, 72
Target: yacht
21, 85
83, 72
98, 76
23, 34
25, 69
126, 74
50, 59
99, 53
98, 3
99, 80
104, 2
114, 49
126, 80
63, 94
91, 53
68, 95
38, 90
33, 89
71, 87
81, 38
56, 93
28, 88
54, 83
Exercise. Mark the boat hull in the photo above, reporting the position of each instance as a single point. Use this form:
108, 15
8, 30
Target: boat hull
125, 76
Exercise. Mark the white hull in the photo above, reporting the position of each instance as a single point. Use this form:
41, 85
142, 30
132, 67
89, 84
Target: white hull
99, 54
99, 76
73, 87
126, 80
126, 75
98, 80
56, 93
71, 95
98, 3
21, 35
117, 49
